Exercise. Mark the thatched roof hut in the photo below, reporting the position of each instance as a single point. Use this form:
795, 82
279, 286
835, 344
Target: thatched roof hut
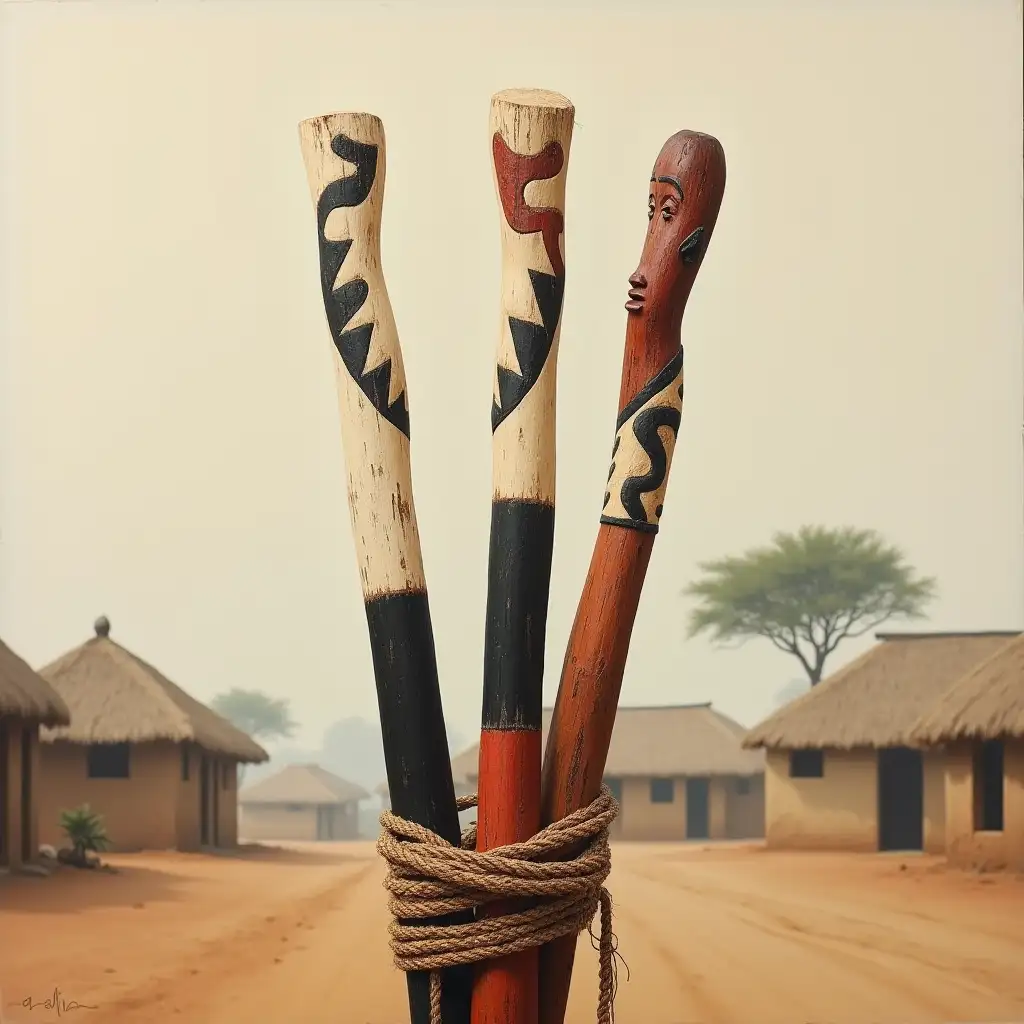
987, 703
116, 697
303, 784
25, 694
876, 699
670, 741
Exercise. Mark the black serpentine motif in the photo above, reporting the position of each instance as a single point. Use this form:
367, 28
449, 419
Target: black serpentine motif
342, 302
645, 429
532, 344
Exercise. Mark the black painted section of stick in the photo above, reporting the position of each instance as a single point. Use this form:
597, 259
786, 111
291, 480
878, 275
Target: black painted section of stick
518, 584
417, 759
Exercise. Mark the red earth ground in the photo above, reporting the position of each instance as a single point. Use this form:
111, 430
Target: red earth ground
716, 935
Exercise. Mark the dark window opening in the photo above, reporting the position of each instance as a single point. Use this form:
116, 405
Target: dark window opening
184, 763
4, 782
663, 791
806, 764
988, 786
742, 786
108, 760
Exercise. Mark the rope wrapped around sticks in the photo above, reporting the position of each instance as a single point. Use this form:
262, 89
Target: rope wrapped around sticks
428, 877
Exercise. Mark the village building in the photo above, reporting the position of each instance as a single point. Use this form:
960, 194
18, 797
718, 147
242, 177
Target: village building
160, 767
979, 724
301, 802
27, 702
840, 773
678, 772
464, 766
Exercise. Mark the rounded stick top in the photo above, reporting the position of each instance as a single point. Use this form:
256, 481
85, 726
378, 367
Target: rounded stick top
685, 193
345, 144
531, 119
531, 131
533, 98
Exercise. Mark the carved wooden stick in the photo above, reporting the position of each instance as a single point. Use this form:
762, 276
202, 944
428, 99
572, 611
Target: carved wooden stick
345, 162
685, 196
531, 131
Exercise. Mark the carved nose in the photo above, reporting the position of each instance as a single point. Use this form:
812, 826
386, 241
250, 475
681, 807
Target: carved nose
638, 280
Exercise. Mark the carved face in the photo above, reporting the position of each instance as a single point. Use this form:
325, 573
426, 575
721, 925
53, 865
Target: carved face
685, 195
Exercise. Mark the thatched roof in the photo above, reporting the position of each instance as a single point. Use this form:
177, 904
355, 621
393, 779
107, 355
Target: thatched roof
985, 704
302, 784
116, 697
877, 698
25, 694
673, 740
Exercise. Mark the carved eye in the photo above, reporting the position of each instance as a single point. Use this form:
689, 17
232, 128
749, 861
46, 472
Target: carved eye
650, 209
689, 250
666, 213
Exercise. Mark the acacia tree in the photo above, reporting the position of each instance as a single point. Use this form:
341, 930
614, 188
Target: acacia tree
808, 591
255, 713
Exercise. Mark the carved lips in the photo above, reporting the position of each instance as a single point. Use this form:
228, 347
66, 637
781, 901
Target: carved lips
636, 292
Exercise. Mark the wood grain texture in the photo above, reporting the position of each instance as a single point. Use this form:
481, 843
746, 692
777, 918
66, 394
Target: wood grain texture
684, 197
371, 396
530, 133
345, 158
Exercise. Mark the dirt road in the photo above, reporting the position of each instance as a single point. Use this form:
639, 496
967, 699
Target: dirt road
719, 935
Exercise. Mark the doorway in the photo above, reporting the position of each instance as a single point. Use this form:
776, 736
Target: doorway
324, 822
27, 853
988, 777
698, 808
215, 789
900, 799
204, 801
5, 802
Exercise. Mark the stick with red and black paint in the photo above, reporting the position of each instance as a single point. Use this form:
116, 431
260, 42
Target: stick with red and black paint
684, 197
531, 131
344, 155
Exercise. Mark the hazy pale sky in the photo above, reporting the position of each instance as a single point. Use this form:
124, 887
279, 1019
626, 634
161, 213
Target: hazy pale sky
169, 446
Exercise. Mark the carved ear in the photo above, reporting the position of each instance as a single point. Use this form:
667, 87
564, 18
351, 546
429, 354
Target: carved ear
689, 251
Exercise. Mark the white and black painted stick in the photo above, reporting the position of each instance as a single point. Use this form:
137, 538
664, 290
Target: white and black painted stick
344, 154
530, 131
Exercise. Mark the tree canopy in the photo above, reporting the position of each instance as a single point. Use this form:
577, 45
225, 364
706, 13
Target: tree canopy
255, 713
808, 591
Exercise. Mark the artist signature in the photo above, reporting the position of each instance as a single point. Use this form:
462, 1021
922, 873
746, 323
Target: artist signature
55, 1001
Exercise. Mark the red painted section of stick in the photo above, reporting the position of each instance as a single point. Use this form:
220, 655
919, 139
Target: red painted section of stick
505, 990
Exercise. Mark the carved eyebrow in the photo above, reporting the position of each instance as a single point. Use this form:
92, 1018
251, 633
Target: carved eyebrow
667, 179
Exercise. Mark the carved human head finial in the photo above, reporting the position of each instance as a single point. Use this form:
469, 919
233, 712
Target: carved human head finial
102, 626
686, 190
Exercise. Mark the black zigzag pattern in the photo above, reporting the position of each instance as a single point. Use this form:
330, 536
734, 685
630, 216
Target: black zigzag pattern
344, 301
532, 343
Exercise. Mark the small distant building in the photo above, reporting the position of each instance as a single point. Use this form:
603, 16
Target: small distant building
678, 772
27, 701
465, 784
301, 802
979, 723
840, 773
160, 767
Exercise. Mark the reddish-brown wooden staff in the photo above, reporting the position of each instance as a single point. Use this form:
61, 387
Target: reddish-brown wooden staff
686, 191
530, 135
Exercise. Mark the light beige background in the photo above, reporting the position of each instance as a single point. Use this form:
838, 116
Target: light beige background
170, 449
